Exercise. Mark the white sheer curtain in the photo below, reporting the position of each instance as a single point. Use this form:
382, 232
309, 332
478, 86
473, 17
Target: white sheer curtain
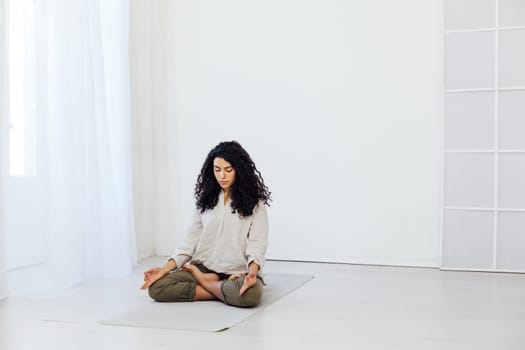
159, 211
82, 170
3, 279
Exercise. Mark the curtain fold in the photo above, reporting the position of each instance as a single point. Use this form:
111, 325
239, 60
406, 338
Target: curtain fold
157, 188
3, 80
83, 148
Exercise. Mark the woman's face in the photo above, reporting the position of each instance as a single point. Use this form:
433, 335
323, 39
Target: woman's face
224, 173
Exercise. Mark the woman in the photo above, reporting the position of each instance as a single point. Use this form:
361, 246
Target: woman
223, 253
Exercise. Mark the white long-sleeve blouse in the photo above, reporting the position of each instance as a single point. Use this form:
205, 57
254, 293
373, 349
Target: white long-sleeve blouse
224, 241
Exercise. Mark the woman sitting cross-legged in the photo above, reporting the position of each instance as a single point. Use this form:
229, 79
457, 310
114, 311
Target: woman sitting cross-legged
223, 253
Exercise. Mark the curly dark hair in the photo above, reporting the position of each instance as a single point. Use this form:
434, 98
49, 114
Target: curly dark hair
248, 188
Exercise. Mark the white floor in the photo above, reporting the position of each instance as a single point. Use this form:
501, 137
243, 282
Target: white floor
343, 307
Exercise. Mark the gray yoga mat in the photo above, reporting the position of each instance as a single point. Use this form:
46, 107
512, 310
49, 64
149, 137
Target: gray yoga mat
207, 316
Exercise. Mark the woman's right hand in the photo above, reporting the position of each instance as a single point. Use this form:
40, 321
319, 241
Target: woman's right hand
152, 275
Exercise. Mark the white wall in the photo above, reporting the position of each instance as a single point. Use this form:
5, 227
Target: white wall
338, 103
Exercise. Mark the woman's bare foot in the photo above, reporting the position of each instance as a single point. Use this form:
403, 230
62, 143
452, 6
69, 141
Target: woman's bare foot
208, 281
199, 275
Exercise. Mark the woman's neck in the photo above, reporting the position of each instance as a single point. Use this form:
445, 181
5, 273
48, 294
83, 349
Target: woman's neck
226, 195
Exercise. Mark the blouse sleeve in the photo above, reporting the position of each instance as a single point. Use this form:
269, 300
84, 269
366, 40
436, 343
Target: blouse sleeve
257, 241
186, 249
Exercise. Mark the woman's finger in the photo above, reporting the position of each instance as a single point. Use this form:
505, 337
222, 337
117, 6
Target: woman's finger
145, 285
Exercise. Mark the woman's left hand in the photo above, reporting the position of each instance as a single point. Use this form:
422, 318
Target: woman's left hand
249, 280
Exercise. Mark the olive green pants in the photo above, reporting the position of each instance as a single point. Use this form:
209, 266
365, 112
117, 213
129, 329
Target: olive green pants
180, 286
